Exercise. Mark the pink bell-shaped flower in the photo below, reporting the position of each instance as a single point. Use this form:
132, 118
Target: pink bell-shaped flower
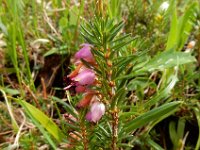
85, 77
85, 53
97, 110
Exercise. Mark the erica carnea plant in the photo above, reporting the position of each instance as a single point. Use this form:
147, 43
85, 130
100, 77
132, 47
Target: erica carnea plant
109, 115
124, 91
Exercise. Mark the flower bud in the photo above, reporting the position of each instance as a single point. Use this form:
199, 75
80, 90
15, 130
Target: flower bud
97, 110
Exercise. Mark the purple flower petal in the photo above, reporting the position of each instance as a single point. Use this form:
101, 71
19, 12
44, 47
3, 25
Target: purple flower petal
85, 77
85, 53
89, 116
97, 110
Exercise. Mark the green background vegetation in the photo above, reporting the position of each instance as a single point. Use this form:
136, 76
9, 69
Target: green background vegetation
37, 40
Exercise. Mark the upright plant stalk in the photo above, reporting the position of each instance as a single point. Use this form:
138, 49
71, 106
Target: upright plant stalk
83, 131
115, 118
104, 36
111, 92
84, 135
81, 9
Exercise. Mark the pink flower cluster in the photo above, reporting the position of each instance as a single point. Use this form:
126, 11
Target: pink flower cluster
82, 78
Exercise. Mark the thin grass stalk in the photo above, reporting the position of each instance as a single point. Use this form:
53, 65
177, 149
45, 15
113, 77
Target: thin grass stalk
35, 21
14, 122
78, 21
17, 28
13, 54
28, 71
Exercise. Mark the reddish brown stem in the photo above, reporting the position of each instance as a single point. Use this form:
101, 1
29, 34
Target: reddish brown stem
84, 135
115, 129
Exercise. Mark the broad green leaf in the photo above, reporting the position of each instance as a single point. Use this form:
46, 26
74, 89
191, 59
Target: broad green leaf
164, 60
168, 59
173, 34
43, 131
44, 120
125, 115
180, 28
186, 23
151, 115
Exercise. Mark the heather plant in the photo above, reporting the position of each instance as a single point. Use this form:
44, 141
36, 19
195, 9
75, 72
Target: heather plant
133, 83
117, 70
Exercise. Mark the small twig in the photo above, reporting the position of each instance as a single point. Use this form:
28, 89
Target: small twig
9, 80
55, 69
44, 88
9, 109
46, 18
16, 142
6, 132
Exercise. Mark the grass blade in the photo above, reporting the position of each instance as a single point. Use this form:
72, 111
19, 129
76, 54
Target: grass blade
43, 119
151, 116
